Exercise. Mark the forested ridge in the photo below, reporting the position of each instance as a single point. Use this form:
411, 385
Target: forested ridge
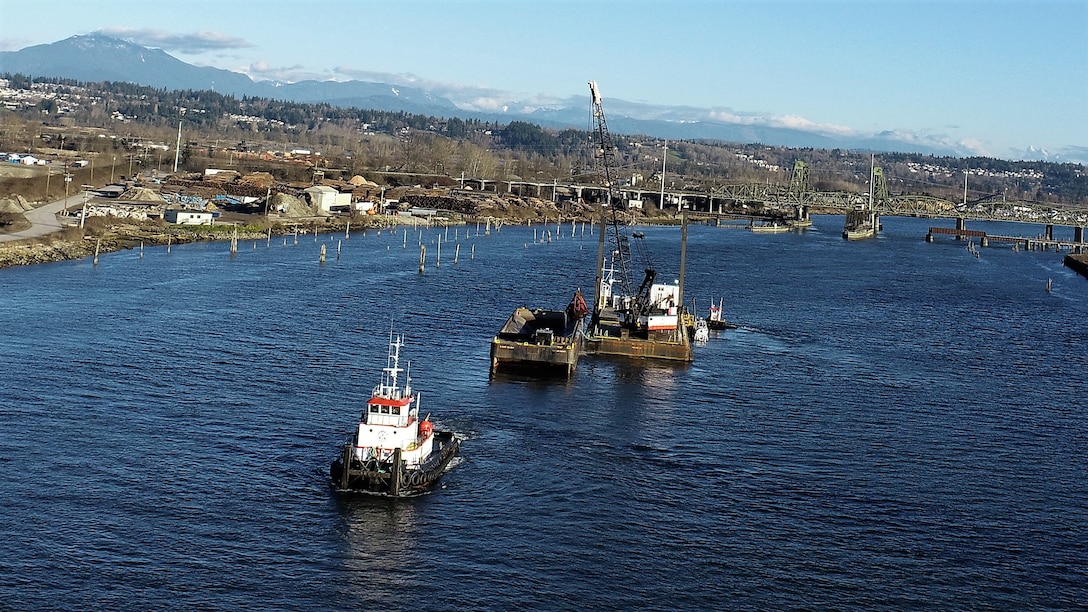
75, 115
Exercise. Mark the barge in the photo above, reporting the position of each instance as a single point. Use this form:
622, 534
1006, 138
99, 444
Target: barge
541, 341
647, 322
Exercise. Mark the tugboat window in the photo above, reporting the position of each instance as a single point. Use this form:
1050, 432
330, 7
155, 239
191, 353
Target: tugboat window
395, 410
385, 409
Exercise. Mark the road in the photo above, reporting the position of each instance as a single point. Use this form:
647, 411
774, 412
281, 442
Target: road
43, 220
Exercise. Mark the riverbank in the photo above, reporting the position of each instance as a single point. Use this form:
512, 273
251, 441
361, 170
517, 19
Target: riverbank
109, 234
107, 237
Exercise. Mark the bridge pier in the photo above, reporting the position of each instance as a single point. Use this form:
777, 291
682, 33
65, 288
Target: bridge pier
1078, 237
961, 224
1048, 232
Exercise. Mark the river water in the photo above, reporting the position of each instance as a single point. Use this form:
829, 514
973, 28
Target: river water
894, 425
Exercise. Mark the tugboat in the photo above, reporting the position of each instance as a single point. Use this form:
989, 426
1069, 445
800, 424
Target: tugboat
393, 453
717, 317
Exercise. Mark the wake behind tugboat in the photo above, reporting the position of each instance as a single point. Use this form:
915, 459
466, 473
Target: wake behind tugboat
393, 452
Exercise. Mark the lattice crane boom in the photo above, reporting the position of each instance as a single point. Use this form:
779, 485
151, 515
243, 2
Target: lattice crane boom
617, 231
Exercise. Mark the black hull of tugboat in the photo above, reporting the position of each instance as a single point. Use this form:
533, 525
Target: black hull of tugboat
720, 325
380, 478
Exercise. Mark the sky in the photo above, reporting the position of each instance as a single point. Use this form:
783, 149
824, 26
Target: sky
992, 77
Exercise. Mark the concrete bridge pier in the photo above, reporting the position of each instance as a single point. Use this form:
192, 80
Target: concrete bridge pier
1049, 231
961, 224
1078, 238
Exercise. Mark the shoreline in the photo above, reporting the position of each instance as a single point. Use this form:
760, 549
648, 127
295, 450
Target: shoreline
73, 243
108, 235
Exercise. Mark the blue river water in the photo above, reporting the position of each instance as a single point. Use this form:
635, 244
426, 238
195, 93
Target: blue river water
894, 425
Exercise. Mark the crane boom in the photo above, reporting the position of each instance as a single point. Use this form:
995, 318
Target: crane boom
617, 230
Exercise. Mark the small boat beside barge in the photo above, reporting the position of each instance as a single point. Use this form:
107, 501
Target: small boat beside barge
393, 452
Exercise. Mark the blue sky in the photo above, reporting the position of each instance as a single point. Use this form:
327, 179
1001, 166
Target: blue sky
993, 76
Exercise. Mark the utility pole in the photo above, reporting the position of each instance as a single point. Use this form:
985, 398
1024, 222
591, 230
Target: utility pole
86, 195
67, 181
177, 150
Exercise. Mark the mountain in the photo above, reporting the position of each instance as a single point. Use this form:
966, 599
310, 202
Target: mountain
97, 57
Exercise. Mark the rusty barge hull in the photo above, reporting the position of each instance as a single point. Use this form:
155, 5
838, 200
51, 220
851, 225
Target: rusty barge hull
639, 348
510, 354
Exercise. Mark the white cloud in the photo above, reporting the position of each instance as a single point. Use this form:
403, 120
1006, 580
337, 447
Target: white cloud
192, 43
792, 122
260, 70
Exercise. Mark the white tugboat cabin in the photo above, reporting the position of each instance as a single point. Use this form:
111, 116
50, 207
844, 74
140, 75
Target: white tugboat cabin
391, 418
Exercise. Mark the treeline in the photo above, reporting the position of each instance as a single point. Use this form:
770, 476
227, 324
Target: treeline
357, 139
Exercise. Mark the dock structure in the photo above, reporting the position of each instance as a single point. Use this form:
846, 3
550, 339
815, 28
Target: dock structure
1046, 242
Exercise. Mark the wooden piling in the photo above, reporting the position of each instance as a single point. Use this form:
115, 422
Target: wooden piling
97, 246
438, 257
396, 473
345, 474
337, 250
321, 258
473, 254
456, 253
422, 257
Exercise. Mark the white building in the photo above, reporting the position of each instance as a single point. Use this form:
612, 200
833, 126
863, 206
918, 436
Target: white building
188, 217
325, 198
